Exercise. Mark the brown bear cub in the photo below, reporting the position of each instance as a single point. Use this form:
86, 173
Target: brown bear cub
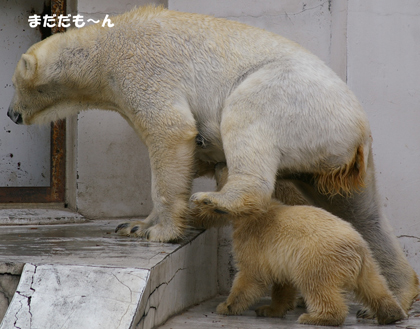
307, 249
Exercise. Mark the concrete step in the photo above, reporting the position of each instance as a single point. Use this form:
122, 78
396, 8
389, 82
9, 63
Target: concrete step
85, 276
203, 316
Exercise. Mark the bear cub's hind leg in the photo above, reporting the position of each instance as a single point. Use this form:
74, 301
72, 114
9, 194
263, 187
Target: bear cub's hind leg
326, 307
283, 298
374, 293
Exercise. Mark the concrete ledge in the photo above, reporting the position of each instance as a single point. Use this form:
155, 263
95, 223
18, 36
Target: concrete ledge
185, 278
85, 276
39, 217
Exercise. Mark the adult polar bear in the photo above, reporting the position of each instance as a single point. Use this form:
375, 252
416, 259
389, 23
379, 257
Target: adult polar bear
203, 90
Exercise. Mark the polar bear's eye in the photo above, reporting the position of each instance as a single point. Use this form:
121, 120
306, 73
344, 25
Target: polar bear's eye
39, 91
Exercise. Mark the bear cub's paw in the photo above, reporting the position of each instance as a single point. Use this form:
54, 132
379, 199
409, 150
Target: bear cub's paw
390, 314
269, 311
365, 313
225, 309
307, 318
209, 201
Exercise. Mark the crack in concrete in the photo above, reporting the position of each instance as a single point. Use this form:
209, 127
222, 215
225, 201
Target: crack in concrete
304, 9
131, 298
146, 312
16, 315
30, 297
129, 289
29, 301
409, 236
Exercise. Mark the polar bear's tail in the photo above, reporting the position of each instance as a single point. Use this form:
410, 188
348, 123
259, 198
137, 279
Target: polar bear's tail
345, 179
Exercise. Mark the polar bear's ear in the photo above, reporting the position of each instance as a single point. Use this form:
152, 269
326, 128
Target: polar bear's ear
27, 66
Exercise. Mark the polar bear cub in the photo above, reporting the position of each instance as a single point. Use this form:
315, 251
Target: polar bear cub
307, 249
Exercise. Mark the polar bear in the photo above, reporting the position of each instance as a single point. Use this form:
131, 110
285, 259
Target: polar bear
306, 249
198, 89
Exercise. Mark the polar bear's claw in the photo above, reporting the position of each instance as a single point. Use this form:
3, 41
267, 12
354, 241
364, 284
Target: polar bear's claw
148, 231
135, 228
121, 226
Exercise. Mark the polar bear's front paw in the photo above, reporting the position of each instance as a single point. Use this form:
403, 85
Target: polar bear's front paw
163, 233
155, 233
209, 201
135, 228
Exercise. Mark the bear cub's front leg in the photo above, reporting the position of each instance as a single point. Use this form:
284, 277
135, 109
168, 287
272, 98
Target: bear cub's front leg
245, 292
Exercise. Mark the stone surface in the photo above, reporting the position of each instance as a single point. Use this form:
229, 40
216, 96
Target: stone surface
180, 281
204, 316
9, 279
86, 276
69, 296
91, 243
8, 285
38, 217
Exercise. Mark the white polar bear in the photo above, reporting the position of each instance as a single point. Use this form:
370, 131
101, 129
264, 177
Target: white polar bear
203, 90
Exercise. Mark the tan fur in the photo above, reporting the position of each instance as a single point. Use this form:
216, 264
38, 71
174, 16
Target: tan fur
174, 76
344, 179
307, 249
313, 251
204, 216
288, 194
262, 104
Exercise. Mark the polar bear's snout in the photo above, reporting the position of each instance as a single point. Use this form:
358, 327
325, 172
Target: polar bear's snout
14, 116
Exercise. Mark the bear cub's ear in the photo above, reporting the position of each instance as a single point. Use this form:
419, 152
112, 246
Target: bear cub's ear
27, 66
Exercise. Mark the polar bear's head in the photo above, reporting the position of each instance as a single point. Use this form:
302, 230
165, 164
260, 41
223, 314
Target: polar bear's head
45, 82
29, 95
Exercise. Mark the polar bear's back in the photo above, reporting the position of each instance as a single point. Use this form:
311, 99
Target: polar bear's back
307, 241
313, 224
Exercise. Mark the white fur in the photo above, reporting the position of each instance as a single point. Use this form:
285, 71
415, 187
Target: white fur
264, 105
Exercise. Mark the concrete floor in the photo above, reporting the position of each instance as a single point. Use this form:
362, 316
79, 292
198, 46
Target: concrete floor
90, 243
203, 316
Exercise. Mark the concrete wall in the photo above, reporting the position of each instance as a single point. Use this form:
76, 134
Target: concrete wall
19, 164
371, 44
383, 52
113, 170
